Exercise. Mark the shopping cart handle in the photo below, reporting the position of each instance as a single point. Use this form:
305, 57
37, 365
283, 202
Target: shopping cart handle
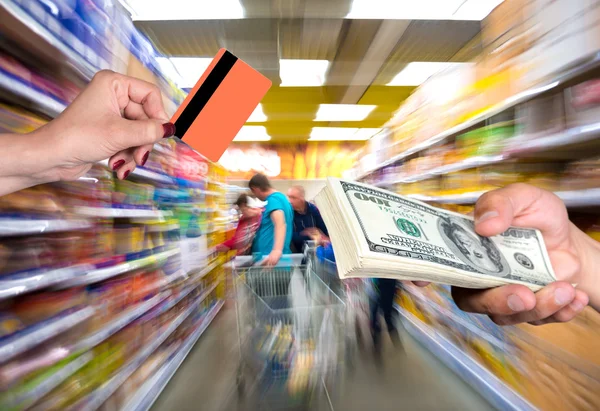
286, 260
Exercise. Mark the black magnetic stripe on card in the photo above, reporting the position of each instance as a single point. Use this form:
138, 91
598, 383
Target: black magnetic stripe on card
204, 93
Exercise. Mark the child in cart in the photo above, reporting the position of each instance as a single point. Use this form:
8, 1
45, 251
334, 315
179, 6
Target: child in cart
246, 229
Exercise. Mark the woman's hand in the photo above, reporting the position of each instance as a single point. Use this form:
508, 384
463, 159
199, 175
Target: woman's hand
115, 117
574, 257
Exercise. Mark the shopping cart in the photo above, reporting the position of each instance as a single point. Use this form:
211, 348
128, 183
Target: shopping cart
291, 329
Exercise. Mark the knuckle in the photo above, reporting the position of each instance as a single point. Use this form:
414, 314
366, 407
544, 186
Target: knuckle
103, 75
486, 305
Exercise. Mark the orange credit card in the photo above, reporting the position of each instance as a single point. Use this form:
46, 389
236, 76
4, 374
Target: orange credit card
219, 105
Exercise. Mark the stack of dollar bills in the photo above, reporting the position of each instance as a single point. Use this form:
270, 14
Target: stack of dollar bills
376, 233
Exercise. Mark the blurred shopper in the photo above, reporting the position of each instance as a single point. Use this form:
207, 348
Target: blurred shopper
115, 117
274, 235
307, 219
383, 300
246, 229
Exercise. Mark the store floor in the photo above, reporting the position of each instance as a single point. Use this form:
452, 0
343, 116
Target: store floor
410, 379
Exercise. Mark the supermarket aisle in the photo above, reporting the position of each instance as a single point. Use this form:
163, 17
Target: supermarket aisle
413, 380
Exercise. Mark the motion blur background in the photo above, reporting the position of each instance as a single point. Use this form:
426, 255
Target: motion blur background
107, 287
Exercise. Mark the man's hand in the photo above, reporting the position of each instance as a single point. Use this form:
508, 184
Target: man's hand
571, 252
272, 259
316, 235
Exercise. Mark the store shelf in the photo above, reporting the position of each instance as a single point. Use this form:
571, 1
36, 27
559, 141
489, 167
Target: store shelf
34, 33
23, 340
172, 303
528, 144
564, 79
480, 378
23, 226
147, 394
517, 147
25, 399
199, 273
94, 400
472, 162
17, 284
41, 101
100, 212
464, 198
102, 274
119, 323
457, 319
574, 199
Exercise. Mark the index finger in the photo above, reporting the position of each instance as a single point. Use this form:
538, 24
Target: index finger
506, 300
141, 92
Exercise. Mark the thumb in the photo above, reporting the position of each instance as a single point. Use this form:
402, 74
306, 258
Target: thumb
134, 133
520, 205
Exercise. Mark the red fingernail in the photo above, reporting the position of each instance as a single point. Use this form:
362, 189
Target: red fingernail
169, 129
125, 174
145, 158
118, 164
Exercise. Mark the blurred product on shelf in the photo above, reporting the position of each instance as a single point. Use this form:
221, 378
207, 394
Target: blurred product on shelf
17, 120
131, 263
532, 90
80, 36
61, 90
551, 367
307, 161
102, 282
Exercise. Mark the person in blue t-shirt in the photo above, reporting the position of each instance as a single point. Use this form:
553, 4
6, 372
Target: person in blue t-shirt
275, 233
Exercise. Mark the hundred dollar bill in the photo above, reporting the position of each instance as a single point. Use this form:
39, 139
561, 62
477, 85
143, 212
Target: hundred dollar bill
376, 233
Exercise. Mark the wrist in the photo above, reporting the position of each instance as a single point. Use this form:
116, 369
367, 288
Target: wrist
44, 156
589, 277
28, 160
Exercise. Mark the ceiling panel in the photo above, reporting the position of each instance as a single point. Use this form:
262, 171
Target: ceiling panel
428, 41
311, 39
262, 41
185, 38
296, 8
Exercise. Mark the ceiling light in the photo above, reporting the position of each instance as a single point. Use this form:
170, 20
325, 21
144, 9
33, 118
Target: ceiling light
302, 73
157, 10
188, 69
342, 134
416, 73
343, 112
258, 115
422, 9
252, 133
